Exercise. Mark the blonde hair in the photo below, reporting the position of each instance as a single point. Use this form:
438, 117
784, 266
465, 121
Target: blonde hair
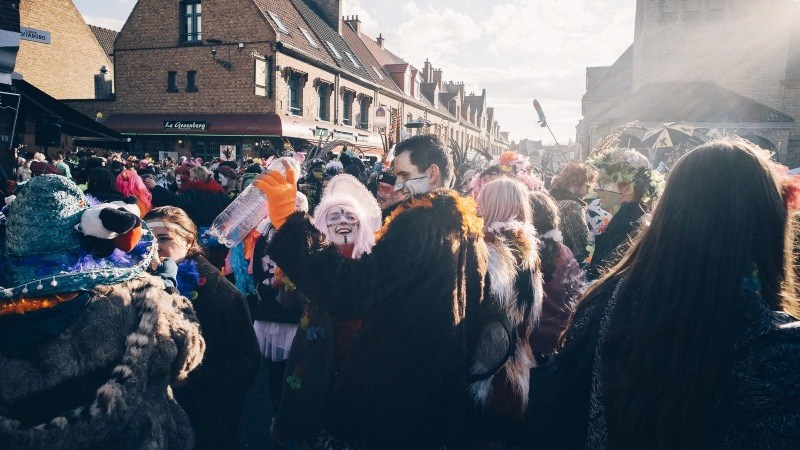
504, 200
200, 173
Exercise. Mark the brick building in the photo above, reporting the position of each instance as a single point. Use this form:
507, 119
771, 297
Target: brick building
65, 67
61, 62
732, 65
195, 76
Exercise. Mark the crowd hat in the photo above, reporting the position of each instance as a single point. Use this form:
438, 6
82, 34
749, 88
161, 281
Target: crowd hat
46, 254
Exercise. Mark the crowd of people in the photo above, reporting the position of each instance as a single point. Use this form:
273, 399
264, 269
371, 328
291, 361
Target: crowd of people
409, 304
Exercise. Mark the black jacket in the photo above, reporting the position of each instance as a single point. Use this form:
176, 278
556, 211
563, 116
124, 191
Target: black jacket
613, 242
403, 383
213, 395
267, 307
202, 205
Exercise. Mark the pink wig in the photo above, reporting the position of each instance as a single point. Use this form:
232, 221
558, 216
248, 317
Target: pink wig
129, 183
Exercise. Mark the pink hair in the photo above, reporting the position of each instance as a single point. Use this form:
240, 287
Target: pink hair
129, 183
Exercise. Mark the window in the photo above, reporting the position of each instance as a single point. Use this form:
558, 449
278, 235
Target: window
278, 22
352, 59
377, 72
363, 121
261, 77
295, 81
191, 81
309, 38
191, 26
324, 91
347, 107
172, 81
333, 50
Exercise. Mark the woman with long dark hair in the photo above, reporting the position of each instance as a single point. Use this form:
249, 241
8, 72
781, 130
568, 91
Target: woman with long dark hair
689, 341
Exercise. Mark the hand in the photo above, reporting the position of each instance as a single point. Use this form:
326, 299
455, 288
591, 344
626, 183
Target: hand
150, 183
281, 194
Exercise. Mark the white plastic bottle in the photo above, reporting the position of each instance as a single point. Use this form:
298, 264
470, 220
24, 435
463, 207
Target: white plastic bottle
240, 217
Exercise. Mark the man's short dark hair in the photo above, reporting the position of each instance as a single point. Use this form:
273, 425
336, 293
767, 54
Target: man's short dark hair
425, 150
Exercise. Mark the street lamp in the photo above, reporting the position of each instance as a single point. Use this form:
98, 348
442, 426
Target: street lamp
225, 64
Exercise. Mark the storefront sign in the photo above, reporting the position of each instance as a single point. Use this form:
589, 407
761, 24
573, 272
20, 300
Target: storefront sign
34, 35
185, 125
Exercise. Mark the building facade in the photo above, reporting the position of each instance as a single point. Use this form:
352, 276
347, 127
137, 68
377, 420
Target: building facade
732, 65
199, 76
63, 65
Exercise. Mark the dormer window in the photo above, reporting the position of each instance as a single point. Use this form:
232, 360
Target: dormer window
278, 22
333, 50
308, 37
191, 23
352, 59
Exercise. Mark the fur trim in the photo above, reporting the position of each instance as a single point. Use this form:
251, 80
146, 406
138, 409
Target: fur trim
510, 253
464, 208
124, 396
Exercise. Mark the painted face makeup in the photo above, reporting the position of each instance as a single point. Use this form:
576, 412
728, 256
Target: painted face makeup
343, 225
388, 196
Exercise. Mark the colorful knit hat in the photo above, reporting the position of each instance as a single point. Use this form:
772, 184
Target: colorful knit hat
44, 254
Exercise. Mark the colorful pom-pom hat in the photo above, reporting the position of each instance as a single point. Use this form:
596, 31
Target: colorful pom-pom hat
43, 254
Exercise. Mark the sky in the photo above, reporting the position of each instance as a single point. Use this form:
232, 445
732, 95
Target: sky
518, 50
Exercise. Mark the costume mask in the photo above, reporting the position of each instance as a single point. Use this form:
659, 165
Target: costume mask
223, 181
318, 173
414, 186
343, 225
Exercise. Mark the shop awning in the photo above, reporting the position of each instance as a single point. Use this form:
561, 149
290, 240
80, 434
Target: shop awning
256, 125
38, 105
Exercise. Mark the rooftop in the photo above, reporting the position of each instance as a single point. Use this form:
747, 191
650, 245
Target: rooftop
105, 37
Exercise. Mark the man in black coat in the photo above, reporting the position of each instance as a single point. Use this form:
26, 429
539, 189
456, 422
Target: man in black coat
403, 383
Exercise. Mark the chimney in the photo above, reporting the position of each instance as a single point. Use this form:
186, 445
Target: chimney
330, 11
353, 22
380, 40
427, 71
437, 77
103, 85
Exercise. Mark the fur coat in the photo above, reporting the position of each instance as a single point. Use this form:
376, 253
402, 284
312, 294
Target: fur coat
104, 381
504, 358
403, 383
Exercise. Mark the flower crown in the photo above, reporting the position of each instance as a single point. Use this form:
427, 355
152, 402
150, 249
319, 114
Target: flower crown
627, 166
514, 165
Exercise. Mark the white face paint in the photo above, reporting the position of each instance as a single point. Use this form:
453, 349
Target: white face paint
343, 225
223, 181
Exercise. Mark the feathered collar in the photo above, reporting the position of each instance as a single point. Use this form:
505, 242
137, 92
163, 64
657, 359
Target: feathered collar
513, 226
206, 186
463, 210
553, 235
